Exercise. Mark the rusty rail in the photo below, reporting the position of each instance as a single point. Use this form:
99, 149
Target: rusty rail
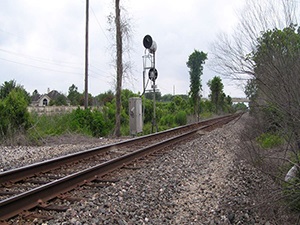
21, 173
30, 199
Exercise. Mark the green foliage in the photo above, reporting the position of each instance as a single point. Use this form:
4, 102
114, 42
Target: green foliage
240, 106
195, 64
148, 111
251, 89
84, 121
206, 106
90, 122
59, 101
49, 125
180, 118
13, 113
125, 95
272, 118
82, 99
216, 90
105, 97
74, 96
277, 79
149, 95
7, 87
269, 140
220, 102
167, 98
147, 128
167, 121
170, 113
206, 115
171, 107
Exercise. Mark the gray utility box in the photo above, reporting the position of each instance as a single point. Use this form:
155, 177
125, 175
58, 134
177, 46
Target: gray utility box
135, 115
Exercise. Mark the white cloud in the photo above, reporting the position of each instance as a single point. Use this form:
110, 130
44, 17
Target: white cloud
42, 42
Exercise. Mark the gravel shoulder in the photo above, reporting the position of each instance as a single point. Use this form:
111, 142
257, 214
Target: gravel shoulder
201, 181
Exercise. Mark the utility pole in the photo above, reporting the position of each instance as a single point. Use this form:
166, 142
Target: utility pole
86, 95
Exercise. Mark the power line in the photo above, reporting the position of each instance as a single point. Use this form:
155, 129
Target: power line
38, 67
43, 60
39, 44
99, 24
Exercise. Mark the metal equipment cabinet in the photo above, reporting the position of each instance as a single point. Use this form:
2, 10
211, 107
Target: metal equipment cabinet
135, 115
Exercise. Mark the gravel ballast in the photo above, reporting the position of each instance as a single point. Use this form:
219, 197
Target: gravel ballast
201, 181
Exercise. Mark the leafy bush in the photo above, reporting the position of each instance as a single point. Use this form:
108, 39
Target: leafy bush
86, 122
167, 120
89, 122
269, 140
13, 113
180, 118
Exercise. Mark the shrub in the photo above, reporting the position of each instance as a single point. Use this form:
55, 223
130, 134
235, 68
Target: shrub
180, 118
167, 120
13, 113
269, 140
49, 125
85, 122
89, 122
98, 126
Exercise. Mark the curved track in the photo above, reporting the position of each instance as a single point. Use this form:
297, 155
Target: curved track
38, 183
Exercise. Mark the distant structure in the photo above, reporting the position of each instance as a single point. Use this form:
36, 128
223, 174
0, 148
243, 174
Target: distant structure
240, 100
44, 100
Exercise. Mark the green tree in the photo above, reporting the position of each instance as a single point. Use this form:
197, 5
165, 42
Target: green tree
277, 66
195, 64
8, 86
240, 106
82, 99
59, 99
149, 95
166, 98
228, 107
251, 93
13, 113
216, 93
105, 97
73, 95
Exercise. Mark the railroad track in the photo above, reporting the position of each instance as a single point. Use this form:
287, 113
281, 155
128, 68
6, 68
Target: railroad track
34, 185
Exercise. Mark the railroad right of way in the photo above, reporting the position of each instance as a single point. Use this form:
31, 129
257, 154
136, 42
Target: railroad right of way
198, 182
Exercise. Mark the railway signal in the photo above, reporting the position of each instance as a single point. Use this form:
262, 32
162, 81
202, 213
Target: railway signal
153, 74
151, 46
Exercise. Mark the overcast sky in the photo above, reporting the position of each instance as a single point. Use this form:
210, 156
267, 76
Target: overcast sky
42, 42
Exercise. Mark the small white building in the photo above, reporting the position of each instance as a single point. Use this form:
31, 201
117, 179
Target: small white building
42, 100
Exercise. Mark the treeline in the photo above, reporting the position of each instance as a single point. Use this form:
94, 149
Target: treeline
171, 111
265, 50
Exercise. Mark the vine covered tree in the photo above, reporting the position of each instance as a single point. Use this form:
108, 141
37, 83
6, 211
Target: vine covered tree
216, 93
195, 64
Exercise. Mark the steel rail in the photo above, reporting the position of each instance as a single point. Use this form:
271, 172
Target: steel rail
21, 173
30, 199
